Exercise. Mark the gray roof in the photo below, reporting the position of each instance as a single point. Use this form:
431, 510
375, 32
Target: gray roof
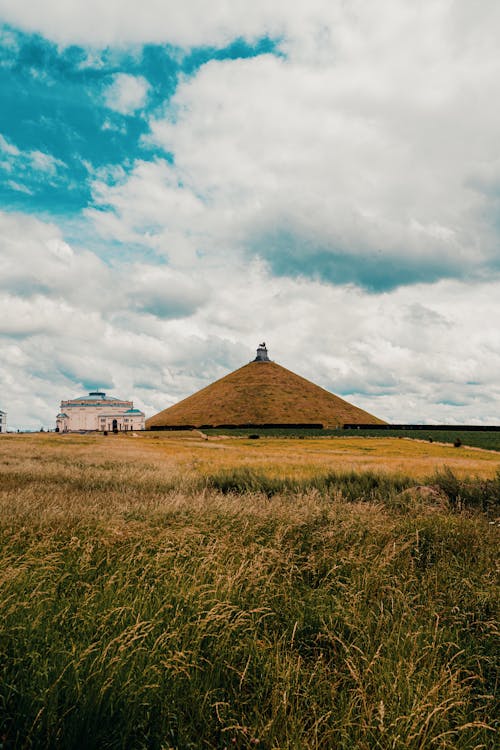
96, 396
93, 397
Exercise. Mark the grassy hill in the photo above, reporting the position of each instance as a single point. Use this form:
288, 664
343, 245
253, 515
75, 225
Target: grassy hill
261, 393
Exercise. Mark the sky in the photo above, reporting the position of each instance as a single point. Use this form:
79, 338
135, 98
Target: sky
177, 186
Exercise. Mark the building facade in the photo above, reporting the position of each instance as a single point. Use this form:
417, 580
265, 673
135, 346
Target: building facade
3, 421
98, 412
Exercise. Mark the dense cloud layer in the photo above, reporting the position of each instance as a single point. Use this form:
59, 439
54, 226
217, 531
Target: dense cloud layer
420, 353
361, 162
337, 195
310, 25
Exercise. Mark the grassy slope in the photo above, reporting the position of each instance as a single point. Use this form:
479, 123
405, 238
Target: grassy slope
142, 608
489, 440
307, 458
261, 392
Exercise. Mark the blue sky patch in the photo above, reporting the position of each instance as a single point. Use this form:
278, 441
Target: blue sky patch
54, 106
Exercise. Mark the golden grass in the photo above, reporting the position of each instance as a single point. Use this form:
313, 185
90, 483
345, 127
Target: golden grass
304, 458
191, 454
140, 609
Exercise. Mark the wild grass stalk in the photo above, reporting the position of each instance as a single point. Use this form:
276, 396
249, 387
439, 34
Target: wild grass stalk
144, 609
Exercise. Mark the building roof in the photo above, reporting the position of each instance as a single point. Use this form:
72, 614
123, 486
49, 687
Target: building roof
96, 396
134, 411
61, 415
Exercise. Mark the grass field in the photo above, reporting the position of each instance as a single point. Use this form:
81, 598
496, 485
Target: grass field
305, 459
168, 591
487, 439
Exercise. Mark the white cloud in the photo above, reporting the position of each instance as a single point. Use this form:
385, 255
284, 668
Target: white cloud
44, 162
114, 127
315, 29
336, 170
18, 187
68, 321
164, 292
35, 260
368, 152
28, 164
8, 148
129, 21
74, 320
356, 158
126, 93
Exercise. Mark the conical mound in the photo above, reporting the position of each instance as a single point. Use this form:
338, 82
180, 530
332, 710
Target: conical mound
262, 393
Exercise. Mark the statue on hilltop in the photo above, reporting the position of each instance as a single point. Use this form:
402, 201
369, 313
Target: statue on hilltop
262, 353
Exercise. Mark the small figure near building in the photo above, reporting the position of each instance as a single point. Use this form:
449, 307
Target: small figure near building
98, 412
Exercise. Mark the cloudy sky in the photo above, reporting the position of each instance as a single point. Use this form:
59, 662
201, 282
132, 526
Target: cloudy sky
179, 181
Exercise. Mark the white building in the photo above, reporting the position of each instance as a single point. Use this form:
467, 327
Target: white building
3, 421
98, 412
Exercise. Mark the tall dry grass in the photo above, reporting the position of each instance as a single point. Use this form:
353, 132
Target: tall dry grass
141, 607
